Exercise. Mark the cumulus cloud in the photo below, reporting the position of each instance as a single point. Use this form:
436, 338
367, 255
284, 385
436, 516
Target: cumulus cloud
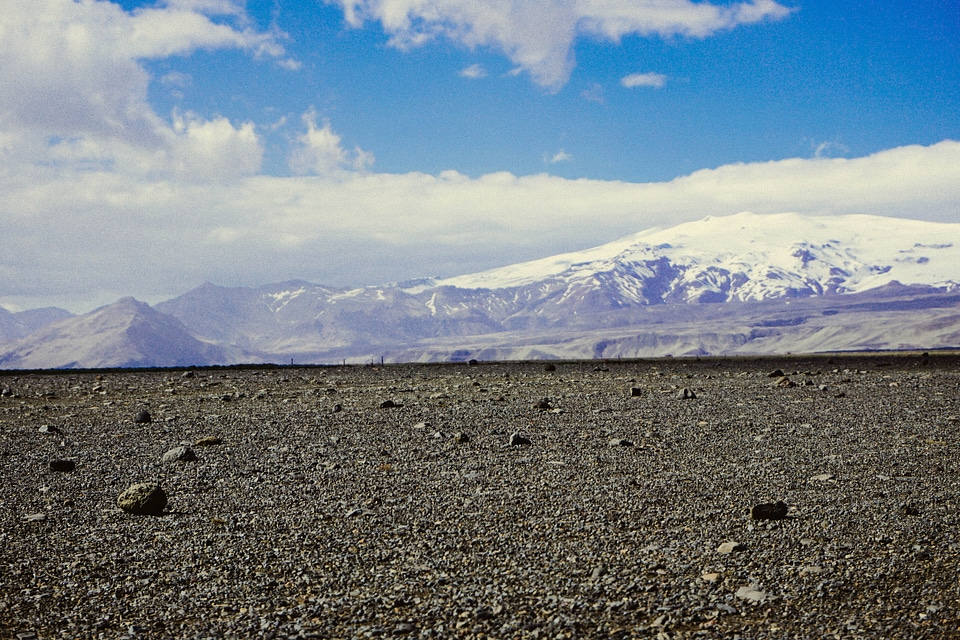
86, 237
655, 80
75, 88
538, 35
320, 151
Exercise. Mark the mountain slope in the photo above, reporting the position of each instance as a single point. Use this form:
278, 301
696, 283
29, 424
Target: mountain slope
14, 326
127, 333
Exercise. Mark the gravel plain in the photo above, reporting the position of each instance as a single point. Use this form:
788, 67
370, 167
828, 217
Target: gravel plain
388, 501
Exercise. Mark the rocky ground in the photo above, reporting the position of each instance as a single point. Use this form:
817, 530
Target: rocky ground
350, 502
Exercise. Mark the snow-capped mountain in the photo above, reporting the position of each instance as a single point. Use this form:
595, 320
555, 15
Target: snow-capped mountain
788, 283
748, 257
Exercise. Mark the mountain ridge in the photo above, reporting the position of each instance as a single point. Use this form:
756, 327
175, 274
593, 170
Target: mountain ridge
718, 286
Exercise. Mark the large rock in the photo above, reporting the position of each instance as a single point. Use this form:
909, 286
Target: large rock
182, 453
769, 511
145, 498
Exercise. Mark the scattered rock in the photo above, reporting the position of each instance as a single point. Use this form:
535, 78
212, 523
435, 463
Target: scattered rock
182, 453
63, 466
208, 441
784, 382
145, 498
518, 440
769, 511
687, 394
731, 547
143, 417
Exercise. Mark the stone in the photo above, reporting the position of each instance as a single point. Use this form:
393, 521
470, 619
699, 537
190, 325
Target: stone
636, 392
35, 517
911, 510
620, 442
822, 477
598, 572
48, 428
785, 382
776, 373
543, 405
751, 594
687, 394
518, 440
145, 498
337, 408
550, 367
6, 392
461, 438
769, 511
62, 466
730, 547
186, 374
710, 576
388, 404
473, 362
182, 453
208, 441
143, 417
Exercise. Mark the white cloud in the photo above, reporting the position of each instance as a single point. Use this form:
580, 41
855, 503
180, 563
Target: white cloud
593, 93
538, 35
320, 152
86, 236
655, 80
474, 72
827, 149
75, 89
559, 156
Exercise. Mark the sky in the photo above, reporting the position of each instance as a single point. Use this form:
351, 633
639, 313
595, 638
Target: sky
149, 147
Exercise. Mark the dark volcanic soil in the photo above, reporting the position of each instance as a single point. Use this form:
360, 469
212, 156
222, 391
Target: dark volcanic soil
321, 513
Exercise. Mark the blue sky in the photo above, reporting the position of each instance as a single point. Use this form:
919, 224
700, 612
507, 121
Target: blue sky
148, 147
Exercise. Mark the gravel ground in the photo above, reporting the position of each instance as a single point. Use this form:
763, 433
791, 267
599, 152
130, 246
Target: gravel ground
312, 510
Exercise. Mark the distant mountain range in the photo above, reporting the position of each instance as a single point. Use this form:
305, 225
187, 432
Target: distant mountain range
743, 284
